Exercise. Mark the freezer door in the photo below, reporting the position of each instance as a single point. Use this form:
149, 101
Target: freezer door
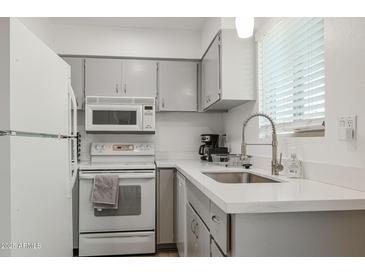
5, 194
39, 81
41, 203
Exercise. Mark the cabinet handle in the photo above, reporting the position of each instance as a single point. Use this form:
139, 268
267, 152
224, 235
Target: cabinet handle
116, 88
216, 219
157, 78
192, 227
196, 232
125, 88
163, 102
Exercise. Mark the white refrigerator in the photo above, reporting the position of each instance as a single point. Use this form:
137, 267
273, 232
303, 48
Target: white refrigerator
38, 151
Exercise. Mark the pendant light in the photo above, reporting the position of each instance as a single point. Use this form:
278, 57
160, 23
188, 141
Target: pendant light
244, 26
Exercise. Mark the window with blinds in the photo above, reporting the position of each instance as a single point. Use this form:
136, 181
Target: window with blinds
291, 76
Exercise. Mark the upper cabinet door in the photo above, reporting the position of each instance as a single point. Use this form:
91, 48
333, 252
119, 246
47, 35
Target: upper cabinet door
103, 77
211, 76
178, 86
139, 78
77, 79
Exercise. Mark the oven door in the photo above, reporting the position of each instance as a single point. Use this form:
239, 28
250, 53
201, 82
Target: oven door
114, 118
136, 209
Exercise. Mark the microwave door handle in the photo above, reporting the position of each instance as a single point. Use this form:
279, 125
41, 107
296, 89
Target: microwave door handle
140, 120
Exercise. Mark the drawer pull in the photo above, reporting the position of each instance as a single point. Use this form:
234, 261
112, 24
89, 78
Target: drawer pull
216, 219
193, 226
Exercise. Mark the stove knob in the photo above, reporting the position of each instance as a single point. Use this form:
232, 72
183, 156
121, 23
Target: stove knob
97, 147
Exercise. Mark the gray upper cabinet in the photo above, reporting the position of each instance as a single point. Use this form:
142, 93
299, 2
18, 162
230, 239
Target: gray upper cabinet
103, 77
174, 84
116, 77
139, 78
228, 72
178, 86
77, 79
211, 75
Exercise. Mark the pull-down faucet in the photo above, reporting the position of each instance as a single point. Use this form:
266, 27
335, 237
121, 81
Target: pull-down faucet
276, 166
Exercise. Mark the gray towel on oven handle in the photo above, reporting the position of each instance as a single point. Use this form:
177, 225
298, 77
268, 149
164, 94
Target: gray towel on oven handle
105, 191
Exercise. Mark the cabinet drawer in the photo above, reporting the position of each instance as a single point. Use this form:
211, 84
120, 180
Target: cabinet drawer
219, 227
199, 202
121, 243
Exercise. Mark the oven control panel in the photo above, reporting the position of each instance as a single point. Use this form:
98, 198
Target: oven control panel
122, 149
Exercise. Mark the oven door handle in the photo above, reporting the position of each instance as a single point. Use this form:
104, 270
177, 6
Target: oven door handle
120, 176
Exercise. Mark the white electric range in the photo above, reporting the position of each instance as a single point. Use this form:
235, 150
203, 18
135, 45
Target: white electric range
130, 229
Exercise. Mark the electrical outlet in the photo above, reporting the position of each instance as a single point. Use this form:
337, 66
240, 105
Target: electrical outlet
346, 127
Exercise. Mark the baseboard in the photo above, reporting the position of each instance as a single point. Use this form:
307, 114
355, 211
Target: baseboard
167, 247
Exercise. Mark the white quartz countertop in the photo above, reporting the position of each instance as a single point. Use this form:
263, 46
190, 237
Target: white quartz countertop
291, 195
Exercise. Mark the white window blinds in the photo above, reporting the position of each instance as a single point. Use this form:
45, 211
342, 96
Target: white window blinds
291, 75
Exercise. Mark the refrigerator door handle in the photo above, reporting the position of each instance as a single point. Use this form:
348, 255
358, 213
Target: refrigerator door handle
73, 146
74, 111
74, 163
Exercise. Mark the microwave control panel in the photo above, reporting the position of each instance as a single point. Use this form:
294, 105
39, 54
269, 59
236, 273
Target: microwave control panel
121, 148
149, 118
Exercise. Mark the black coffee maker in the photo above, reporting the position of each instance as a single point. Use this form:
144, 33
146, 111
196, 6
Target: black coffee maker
210, 146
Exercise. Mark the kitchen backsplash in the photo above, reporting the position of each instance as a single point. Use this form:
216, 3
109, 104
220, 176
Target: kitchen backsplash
177, 134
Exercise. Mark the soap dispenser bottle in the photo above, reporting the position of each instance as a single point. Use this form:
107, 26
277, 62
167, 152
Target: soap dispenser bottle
295, 167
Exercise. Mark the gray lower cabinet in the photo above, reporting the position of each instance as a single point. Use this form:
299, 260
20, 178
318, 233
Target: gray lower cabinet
215, 222
77, 79
214, 249
219, 227
198, 237
180, 214
178, 86
165, 206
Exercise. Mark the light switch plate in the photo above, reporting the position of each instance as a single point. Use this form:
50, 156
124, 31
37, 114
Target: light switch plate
346, 127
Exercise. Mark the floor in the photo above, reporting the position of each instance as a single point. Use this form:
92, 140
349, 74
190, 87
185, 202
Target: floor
161, 253
167, 253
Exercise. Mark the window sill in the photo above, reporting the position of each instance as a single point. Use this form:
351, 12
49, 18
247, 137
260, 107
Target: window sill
305, 133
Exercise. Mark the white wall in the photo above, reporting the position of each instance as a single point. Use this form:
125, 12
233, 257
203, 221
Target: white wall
211, 27
345, 95
177, 134
41, 27
117, 41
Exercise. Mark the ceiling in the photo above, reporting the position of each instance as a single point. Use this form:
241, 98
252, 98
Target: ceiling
182, 23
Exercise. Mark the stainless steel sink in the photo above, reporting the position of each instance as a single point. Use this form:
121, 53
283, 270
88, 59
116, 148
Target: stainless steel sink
238, 178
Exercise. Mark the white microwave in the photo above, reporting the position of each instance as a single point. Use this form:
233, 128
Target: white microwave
119, 114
